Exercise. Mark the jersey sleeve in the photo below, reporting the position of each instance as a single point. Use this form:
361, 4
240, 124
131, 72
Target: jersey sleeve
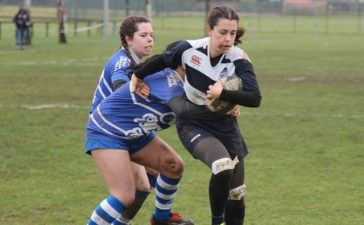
244, 70
166, 86
186, 109
250, 95
173, 57
120, 69
170, 58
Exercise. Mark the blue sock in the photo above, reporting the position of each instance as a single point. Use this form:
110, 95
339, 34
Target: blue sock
165, 189
107, 211
119, 222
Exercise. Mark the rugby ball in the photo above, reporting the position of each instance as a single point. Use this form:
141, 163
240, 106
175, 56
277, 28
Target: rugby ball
231, 83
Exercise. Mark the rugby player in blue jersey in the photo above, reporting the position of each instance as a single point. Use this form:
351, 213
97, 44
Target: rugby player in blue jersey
217, 143
136, 34
137, 39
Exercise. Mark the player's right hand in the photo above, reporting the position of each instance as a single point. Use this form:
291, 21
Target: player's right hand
215, 90
138, 86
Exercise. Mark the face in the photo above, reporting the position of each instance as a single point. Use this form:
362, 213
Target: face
222, 36
142, 41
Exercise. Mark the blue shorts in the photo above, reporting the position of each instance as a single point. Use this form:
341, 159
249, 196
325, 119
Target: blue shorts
131, 146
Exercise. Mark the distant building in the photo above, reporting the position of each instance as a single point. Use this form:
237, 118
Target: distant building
304, 7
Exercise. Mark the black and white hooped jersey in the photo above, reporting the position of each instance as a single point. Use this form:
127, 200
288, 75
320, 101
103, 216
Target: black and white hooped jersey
125, 115
201, 72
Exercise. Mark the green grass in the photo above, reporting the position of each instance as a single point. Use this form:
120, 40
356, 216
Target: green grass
306, 161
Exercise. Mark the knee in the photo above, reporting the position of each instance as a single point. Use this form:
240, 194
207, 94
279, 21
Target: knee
179, 168
176, 166
126, 197
142, 184
223, 165
173, 167
238, 193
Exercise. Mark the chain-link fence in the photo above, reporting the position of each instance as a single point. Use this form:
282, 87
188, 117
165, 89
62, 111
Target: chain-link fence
316, 16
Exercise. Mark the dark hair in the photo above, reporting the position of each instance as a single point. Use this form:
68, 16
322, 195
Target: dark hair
127, 28
224, 12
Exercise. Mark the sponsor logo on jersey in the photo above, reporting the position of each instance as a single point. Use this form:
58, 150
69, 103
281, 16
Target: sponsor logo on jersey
196, 60
224, 72
149, 122
172, 79
123, 62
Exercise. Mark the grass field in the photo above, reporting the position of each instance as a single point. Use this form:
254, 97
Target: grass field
306, 141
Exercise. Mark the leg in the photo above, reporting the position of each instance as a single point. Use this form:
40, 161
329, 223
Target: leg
21, 37
17, 38
146, 179
25, 36
143, 188
160, 156
115, 168
211, 152
235, 207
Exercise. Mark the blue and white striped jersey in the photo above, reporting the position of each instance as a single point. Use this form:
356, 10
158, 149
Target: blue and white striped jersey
125, 115
194, 56
118, 67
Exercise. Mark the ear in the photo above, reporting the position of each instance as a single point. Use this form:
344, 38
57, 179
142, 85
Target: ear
129, 40
208, 30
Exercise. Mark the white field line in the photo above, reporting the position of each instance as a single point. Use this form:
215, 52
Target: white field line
82, 62
81, 29
243, 113
304, 115
55, 31
45, 106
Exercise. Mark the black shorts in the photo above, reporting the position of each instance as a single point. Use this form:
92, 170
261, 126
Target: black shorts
226, 131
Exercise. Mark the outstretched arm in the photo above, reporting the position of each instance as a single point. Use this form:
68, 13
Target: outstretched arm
186, 109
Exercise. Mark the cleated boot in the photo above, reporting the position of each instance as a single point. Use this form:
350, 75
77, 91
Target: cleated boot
175, 219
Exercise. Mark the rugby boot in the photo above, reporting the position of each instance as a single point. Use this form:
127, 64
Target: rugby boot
175, 219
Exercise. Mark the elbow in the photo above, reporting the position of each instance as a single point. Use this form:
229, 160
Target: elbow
178, 112
257, 104
178, 106
257, 101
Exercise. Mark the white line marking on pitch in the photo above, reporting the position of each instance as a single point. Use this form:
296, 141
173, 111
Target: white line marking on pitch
243, 113
46, 106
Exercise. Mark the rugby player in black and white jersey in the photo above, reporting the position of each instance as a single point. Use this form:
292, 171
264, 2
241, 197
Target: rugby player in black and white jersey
217, 143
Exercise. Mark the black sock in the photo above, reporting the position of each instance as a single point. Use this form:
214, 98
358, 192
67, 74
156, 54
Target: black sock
133, 209
234, 212
219, 191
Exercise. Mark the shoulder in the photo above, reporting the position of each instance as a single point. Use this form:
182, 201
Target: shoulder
181, 47
199, 43
120, 53
120, 60
236, 53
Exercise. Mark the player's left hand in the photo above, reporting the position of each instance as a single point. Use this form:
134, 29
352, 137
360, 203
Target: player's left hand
138, 86
234, 112
215, 90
